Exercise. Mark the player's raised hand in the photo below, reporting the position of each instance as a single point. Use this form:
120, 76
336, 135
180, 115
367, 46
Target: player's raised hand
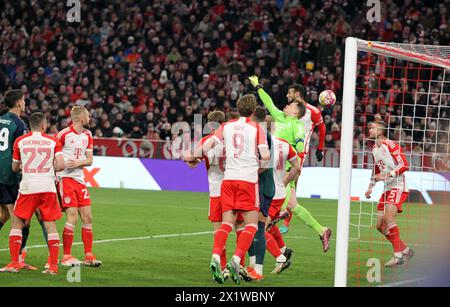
254, 80
368, 193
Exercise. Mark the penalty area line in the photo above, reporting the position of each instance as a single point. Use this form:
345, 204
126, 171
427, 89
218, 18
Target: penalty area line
128, 239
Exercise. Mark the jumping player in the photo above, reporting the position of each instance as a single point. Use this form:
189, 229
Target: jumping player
242, 139
77, 146
39, 155
311, 120
291, 129
390, 165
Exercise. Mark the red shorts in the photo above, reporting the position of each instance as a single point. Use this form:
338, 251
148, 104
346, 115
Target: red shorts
275, 207
239, 195
73, 193
47, 203
215, 209
394, 197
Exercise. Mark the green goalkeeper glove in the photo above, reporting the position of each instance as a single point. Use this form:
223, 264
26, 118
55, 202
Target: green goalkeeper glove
254, 81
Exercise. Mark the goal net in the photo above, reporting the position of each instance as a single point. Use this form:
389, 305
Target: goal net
408, 87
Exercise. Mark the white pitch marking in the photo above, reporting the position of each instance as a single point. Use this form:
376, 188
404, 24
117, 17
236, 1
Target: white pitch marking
128, 239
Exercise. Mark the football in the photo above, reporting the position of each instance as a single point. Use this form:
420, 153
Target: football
327, 98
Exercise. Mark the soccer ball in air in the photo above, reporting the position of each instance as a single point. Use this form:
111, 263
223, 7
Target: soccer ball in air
327, 98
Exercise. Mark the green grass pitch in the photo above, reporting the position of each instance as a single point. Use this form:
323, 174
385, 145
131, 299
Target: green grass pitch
164, 239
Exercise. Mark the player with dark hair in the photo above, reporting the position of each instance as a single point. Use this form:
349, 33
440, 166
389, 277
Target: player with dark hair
290, 128
11, 128
39, 156
311, 119
390, 164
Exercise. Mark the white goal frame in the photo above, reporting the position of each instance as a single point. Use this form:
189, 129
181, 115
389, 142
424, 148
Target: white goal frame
413, 53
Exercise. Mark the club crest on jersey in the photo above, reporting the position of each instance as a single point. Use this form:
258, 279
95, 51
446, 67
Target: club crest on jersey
84, 142
67, 199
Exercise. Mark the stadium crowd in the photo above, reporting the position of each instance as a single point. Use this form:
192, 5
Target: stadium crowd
142, 66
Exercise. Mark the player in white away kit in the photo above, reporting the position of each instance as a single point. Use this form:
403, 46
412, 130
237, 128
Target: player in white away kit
39, 156
389, 166
77, 146
242, 139
282, 153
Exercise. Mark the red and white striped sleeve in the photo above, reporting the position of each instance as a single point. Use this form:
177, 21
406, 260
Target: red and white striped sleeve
399, 157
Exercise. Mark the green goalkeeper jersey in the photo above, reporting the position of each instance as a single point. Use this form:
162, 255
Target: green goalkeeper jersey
288, 128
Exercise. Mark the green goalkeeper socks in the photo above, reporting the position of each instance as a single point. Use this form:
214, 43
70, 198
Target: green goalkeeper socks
306, 217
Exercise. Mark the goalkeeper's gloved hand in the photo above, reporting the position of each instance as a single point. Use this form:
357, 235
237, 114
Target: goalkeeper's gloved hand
319, 155
254, 80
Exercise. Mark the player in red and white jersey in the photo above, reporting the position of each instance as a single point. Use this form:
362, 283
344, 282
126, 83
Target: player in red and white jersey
283, 152
311, 120
243, 140
215, 165
77, 146
390, 165
39, 156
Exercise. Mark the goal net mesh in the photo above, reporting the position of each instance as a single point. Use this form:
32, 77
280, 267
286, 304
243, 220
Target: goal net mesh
407, 87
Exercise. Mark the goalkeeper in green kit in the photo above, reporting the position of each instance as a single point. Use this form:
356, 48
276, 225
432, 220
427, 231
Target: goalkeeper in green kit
290, 128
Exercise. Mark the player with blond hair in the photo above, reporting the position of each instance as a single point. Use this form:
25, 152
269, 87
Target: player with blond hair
77, 146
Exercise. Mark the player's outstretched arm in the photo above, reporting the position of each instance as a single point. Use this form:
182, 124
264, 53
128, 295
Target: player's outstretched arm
373, 181
322, 133
200, 150
276, 113
299, 137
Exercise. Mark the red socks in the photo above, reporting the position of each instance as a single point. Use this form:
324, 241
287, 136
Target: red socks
223, 259
394, 237
15, 241
53, 247
238, 234
245, 240
272, 246
68, 238
220, 238
276, 234
87, 236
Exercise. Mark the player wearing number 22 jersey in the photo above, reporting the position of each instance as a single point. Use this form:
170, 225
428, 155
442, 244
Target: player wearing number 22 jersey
77, 146
36, 153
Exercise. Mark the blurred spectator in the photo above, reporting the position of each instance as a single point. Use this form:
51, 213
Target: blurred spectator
142, 66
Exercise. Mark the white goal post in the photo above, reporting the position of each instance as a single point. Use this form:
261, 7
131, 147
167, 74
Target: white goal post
437, 56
